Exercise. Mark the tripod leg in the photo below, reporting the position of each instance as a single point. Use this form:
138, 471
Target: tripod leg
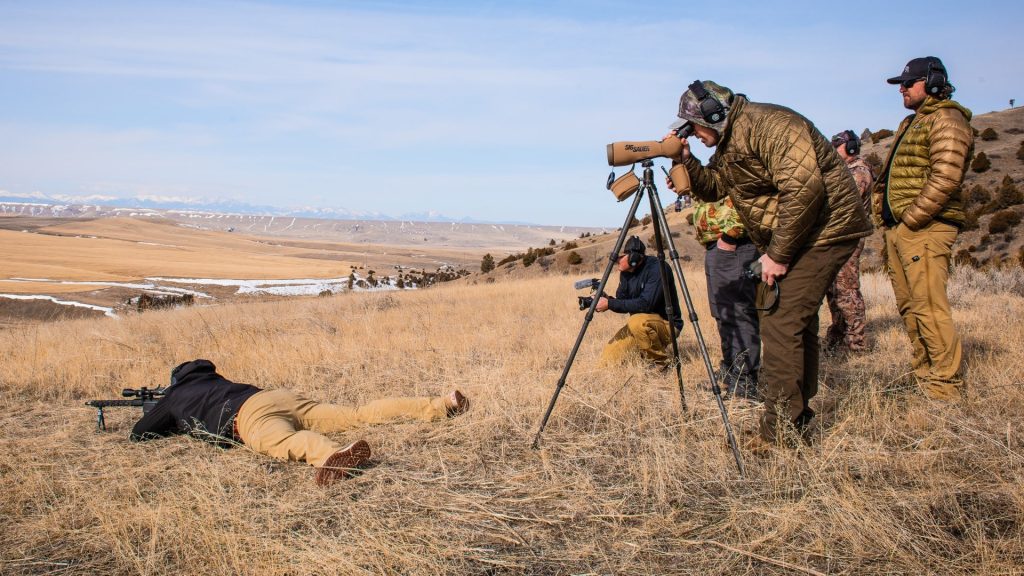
660, 216
612, 260
666, 294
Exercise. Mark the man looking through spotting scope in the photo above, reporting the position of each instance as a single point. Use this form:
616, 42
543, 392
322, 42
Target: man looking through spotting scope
801, 209
640, 295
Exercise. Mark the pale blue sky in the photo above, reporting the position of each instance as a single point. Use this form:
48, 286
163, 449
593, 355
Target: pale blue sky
488, 110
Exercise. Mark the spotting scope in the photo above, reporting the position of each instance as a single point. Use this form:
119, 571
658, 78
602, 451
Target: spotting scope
623, 153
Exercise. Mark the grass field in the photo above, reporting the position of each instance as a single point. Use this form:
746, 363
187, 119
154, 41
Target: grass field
892, 484
124, 252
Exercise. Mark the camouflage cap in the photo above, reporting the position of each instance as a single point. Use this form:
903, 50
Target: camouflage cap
689, 106
842, 138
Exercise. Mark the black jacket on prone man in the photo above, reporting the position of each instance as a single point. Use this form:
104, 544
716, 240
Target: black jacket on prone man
640, 295
279, 423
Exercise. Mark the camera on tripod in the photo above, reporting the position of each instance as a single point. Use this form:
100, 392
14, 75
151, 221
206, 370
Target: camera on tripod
592, 283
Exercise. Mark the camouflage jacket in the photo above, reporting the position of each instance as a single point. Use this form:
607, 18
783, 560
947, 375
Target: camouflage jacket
864, 178
712, 219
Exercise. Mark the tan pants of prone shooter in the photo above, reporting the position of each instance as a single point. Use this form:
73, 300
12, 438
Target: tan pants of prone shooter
285, 425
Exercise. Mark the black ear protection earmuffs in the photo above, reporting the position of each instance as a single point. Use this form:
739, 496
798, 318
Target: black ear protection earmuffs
852, 143
711, 109
635, 250
935, 80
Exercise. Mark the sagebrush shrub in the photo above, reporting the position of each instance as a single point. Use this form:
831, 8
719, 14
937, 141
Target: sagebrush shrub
1002, 221
970, 221
881, 135
967, 283
980, 163
530, 257
978, 194
875, 162
1009, 195
988, 134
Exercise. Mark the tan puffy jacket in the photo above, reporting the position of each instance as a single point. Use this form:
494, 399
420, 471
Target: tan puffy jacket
788, 184
924, 173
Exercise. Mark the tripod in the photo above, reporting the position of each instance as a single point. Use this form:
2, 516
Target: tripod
661, 239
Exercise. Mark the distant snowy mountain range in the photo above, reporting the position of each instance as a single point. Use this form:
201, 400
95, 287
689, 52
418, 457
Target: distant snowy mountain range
64, 205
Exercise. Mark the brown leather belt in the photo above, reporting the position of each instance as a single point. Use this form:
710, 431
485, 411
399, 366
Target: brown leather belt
234, 431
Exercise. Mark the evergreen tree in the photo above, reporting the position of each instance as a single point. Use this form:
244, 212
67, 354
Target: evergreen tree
487, 264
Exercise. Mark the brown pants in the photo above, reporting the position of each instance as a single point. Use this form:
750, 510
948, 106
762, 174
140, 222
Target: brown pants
789, 335
918, 265
283, 424
646, 334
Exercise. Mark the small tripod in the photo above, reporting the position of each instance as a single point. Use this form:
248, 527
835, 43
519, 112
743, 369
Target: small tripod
661, 239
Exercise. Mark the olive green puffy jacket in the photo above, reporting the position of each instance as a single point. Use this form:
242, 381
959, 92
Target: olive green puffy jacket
926, 166
788, 184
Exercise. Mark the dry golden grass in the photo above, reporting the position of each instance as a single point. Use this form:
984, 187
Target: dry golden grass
623, 484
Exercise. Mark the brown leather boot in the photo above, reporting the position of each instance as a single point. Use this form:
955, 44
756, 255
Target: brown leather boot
456, 403
343, 463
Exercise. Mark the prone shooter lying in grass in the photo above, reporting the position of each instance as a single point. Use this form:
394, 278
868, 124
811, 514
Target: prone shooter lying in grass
279, 423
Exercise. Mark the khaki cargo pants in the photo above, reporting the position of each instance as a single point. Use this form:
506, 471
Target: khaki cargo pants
646, 334
285, 425
918, 264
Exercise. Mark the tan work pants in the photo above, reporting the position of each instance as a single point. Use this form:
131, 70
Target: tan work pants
918, 265
646, 334
283, 424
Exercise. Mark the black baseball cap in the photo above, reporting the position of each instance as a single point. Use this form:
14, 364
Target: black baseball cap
918, 68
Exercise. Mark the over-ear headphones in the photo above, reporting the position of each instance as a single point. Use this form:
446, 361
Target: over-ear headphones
852, 143
635, 250
935, 80
711, 109
848, 140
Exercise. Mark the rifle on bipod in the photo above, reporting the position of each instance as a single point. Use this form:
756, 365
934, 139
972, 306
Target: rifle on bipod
144, 398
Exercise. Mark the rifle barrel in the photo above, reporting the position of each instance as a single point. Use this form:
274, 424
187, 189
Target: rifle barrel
106, 403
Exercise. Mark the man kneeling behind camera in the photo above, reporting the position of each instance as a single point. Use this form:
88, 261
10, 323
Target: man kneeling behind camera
640, 295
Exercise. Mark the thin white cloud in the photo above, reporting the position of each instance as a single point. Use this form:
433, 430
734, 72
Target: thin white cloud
287, 101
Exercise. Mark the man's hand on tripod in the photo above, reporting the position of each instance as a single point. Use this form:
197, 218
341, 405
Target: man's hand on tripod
602, 304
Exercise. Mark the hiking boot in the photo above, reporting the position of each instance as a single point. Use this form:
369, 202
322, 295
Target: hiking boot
803, 419
456, 403
343, 463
